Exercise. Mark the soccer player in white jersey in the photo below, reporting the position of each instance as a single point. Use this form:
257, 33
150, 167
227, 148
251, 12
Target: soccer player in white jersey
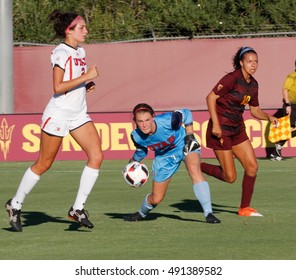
171, 143
65, 113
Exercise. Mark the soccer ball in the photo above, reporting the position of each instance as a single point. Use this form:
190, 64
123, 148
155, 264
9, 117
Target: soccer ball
136, 174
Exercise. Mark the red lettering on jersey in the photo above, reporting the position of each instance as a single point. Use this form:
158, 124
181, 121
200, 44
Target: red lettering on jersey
83, 63
171, 139
163, 145
79, 61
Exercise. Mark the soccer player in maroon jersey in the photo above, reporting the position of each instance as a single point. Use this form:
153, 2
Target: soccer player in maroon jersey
226, 133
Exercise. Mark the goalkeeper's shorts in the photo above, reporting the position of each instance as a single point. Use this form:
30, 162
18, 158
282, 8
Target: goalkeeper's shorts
166, 166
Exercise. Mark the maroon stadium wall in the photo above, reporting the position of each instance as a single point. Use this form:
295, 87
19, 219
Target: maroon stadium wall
168, 75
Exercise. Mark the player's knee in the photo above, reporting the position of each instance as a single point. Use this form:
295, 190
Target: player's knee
100, 157
252, 170
96, 158
230, 178
41, 167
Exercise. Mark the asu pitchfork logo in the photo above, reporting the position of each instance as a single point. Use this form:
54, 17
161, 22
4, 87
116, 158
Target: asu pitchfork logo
5, 137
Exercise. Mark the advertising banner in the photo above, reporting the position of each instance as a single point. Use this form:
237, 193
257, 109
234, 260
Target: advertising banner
20, 137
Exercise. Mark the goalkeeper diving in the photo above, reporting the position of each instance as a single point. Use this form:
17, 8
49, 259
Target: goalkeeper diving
172, 144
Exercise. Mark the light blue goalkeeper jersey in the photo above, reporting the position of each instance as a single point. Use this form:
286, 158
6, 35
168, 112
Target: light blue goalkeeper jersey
168, 138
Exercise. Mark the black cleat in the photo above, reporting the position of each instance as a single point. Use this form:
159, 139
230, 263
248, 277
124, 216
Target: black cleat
211, 219
134, 217
80, 216
276, 156
277, 153
14, 216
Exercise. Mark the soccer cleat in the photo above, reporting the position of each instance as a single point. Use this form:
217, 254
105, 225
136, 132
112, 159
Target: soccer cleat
277, 154
134, 217
80, 216
249, 212
275, 157
14, 216
211, 219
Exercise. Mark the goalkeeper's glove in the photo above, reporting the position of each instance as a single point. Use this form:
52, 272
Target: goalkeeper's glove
191, 144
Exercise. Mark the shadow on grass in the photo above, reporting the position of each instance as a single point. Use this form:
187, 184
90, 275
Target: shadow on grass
218, 208
37, 218
186, 205
190, 205
151, 217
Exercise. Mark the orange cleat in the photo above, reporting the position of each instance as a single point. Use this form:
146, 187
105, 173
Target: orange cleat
249, 212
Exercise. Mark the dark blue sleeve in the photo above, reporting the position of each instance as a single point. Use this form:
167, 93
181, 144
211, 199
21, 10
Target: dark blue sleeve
181, 116
177, 120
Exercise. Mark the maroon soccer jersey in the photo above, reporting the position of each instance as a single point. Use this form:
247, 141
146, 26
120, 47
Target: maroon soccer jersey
235, 93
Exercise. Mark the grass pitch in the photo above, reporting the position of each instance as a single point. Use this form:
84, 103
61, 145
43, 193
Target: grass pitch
175, 230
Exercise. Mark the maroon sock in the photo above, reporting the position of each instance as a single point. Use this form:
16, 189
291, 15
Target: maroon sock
247, 191
212, 170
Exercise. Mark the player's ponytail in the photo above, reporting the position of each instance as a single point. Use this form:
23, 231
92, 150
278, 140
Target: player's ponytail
61, 22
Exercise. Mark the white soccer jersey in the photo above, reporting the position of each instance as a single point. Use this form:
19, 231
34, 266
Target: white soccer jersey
72, 104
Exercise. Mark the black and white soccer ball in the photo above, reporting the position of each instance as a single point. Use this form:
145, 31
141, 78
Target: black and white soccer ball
135, 174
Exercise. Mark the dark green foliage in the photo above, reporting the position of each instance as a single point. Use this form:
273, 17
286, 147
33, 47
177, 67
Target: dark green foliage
115, 20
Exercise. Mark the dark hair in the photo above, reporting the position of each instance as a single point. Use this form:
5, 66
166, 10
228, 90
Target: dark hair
240, 56
142, 107
61, 22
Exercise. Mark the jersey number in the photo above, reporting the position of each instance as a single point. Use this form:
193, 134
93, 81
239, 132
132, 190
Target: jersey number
246, 100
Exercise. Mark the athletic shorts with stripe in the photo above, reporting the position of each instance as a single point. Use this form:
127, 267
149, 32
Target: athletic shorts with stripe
61, 128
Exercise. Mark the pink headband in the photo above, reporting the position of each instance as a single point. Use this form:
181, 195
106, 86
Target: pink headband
142, 108
73, 23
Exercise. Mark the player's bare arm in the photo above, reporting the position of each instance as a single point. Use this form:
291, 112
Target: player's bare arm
211, 102
60, 86
261, 115
287, 101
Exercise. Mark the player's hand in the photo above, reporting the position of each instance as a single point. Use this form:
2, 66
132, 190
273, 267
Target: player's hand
217, 131
191, 144
92, 72
273, 120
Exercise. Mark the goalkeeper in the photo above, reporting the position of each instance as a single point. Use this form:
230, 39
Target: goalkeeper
171, 144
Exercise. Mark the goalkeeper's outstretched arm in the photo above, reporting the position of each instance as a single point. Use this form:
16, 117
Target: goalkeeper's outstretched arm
140, 153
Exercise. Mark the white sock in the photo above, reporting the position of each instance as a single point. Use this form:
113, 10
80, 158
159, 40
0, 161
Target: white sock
87, 181
27, 183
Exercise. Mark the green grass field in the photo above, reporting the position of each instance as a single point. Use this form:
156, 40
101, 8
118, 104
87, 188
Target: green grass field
175, 230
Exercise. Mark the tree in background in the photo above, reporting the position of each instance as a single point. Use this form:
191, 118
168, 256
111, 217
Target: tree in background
115, 20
